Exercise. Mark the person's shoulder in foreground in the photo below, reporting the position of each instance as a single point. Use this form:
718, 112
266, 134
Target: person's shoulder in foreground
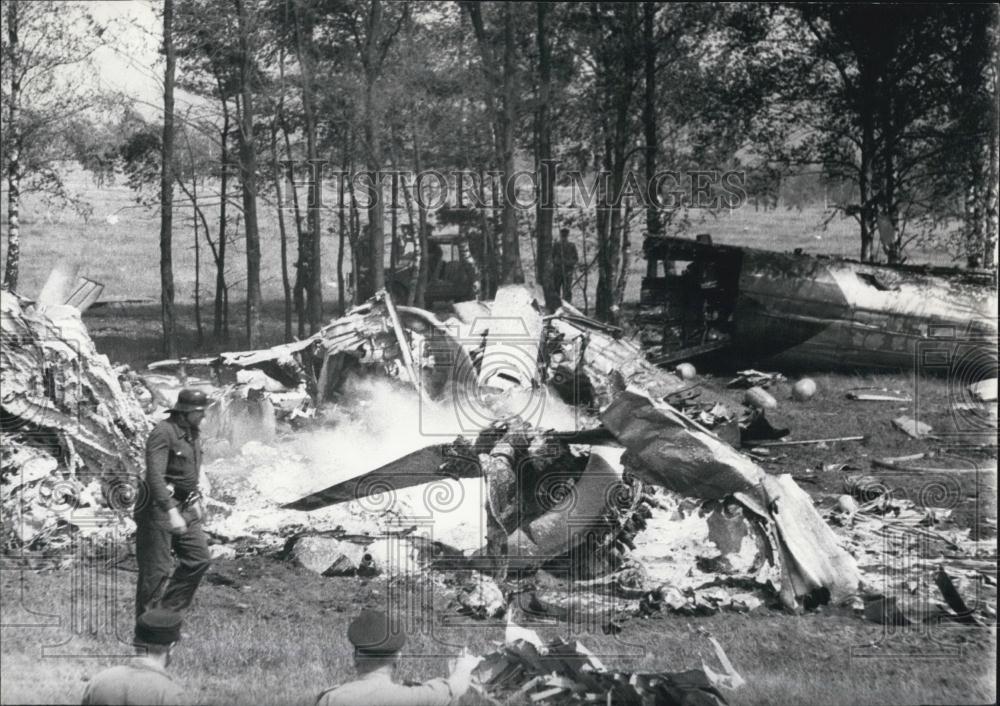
141, 682
377, 645
145, 679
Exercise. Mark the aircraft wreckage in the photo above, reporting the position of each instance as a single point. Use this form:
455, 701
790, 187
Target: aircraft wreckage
562, 443
794, 309
582, 487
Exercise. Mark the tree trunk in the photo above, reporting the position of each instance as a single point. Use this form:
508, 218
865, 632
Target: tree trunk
512, 270
394, 233
504, 119
653, 224
220, 322
355, 237
376, 203
605, 271
991, 202
610, 261
248, 170
626, 255
286, 284
418, 254
197, 263
14, 152
864, 190
419, 288
586, 272
372, 62
546, 198
310, 265
341, 238
610, 226
167, 188
278, 176
301, 240
888, 182
200, 216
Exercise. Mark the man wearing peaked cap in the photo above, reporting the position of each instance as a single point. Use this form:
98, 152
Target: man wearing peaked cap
169, 510
145, 679
378, 641
372, 633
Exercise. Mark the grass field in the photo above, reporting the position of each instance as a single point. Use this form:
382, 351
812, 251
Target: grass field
264, 631
277, 636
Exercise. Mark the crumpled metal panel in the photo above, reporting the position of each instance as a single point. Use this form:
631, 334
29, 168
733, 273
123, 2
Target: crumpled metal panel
54, 380
665, 448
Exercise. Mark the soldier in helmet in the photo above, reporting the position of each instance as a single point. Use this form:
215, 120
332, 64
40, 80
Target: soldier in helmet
377, 644
169, 512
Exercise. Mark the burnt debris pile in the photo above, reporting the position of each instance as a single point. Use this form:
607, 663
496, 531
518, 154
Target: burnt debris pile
73, 427
540, 454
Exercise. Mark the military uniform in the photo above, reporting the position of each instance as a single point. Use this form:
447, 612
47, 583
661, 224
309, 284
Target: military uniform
378, 689
173, 464
144, 680
373, 635
564, 262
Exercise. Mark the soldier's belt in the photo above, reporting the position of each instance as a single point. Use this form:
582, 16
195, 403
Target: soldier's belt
191, 499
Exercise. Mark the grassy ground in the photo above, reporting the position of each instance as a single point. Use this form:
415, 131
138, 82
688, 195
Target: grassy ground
277, 636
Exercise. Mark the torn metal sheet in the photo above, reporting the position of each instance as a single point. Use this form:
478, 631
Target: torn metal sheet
588, 365
535, 506
984, 390
398, 342
669, 450
749, 378
576, 509
537, 499
59, 284
585, 361
912, 427
561, 672
64, 287
416, 468
85, 294
512, 337
247, 491
867, 397
963, 614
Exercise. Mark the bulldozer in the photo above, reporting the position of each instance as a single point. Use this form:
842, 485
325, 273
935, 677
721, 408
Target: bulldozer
452, 275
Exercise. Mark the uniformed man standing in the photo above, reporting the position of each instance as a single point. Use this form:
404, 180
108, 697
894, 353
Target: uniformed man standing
145, 679
169, 513
377, 644
564, 263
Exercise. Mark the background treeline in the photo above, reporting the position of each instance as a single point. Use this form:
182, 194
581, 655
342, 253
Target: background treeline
885, 113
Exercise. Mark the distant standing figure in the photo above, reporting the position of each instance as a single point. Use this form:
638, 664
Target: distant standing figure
169, 518
435, 257
145, 679
564, 263
377, 643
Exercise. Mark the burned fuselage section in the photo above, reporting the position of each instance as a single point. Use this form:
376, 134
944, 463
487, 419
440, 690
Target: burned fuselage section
818, 312
575, 439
